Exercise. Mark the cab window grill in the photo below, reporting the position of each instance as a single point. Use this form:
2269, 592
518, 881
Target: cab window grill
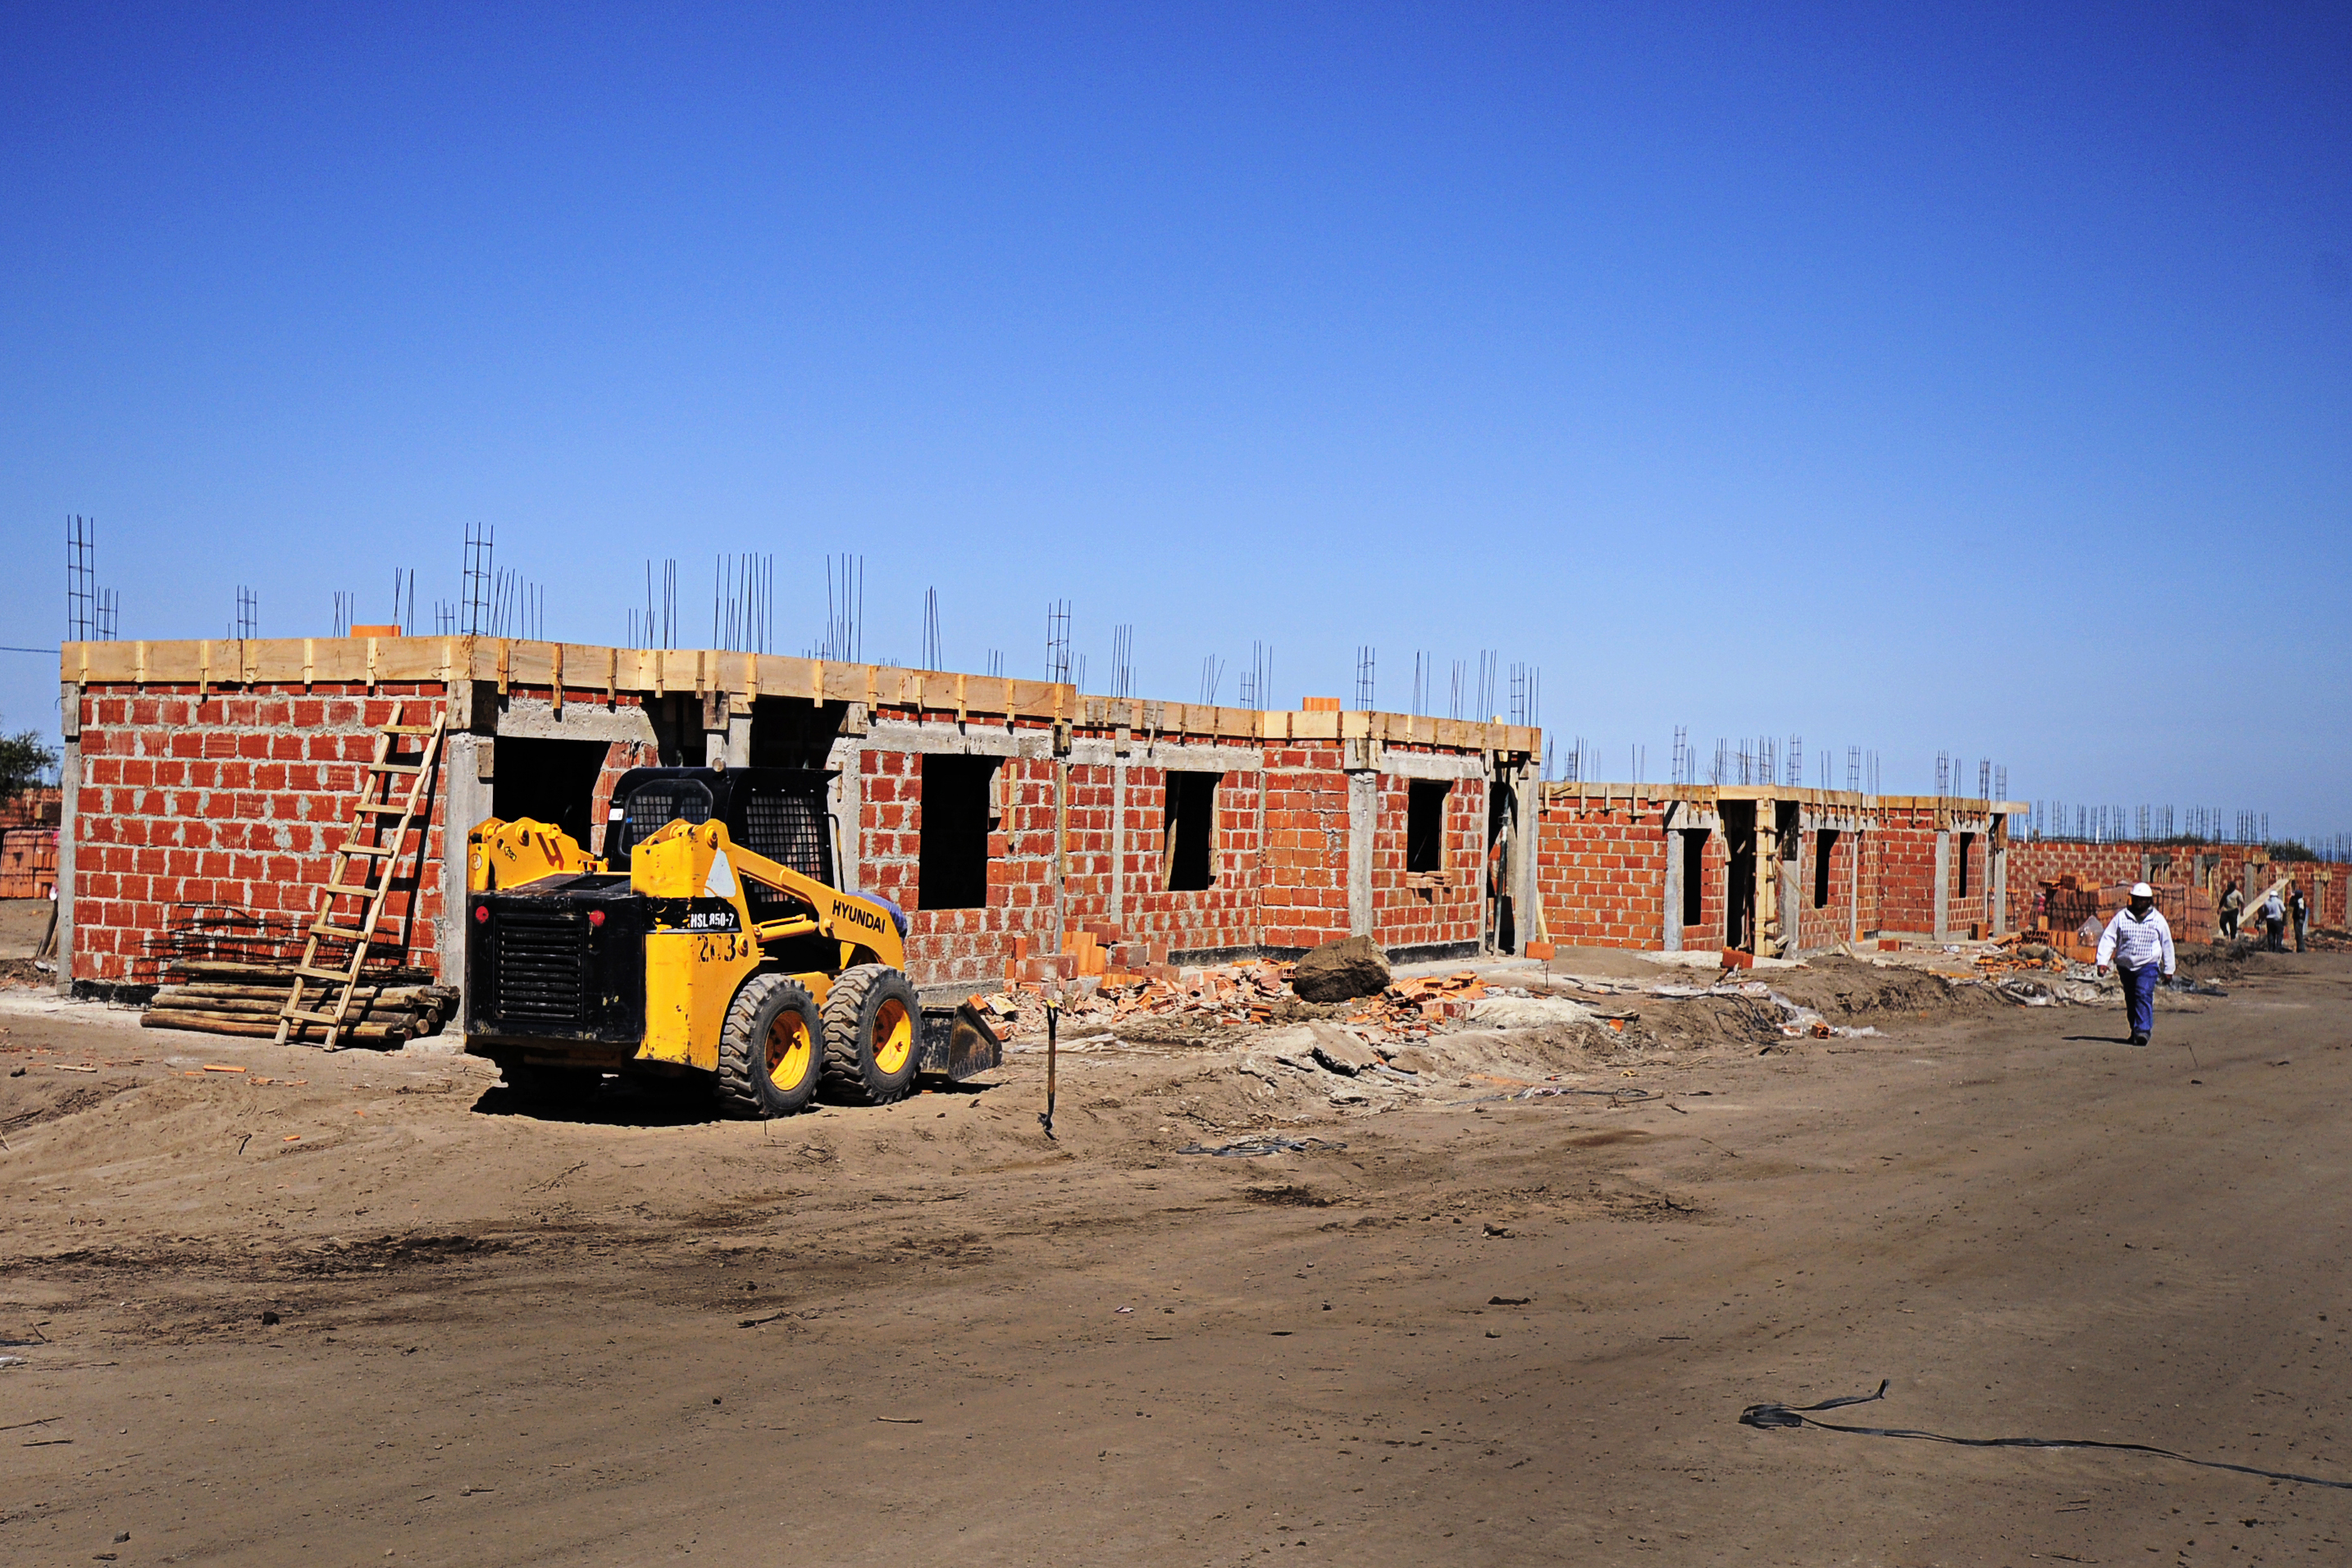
653, 807
788, 829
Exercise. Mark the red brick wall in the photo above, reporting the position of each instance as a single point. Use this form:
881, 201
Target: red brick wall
961, 944
1833, 923
1902, 866
1600, 871
1305, 892
1404, 916
2032, 861
239, 800
1225, 915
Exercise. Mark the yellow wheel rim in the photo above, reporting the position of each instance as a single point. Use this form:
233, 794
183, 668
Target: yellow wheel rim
894, 1039
789, 1049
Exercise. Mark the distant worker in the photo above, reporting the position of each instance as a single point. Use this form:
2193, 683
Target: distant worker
2233, 900
2139, 943
2298, 910
2273, 923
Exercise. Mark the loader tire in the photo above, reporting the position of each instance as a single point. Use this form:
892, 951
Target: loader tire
873, 1035
769, 1050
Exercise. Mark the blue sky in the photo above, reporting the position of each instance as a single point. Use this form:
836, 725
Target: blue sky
1912, 378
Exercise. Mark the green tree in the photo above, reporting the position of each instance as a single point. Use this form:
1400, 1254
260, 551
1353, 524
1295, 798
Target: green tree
25, 762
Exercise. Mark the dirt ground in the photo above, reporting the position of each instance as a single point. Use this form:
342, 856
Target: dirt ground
360, 1308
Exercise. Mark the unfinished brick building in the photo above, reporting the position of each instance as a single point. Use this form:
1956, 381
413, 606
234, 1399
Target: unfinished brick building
2209, 866
1017, 823
1005, 817
1774, 870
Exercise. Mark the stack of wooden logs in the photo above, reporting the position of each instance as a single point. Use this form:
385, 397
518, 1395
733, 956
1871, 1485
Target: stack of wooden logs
388, 1007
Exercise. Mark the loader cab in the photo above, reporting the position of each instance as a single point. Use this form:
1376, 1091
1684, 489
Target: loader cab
780, 813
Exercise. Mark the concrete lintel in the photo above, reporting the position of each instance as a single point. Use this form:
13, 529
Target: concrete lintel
1179, 757
535, 719
949, 739
1428, 765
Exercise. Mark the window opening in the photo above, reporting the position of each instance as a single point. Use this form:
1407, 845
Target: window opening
1424, 825
953, 871
1824, 842
1967, 843
1695, 874
1187, 842
552, 782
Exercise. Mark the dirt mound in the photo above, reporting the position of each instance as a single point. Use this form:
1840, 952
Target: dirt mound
1850, 991
1698, 1023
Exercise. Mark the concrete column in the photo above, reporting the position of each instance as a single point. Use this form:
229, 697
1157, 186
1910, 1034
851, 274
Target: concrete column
1061, 851
467, 767
1525, 832
1363, 815
1853, 889
1766, 934
1118, 839
848, 803
1997, 874
1943, 883
69, 790
738, 740
1670, 932
1792, 892
1264, 858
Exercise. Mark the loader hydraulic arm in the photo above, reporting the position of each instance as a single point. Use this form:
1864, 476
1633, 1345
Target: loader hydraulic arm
840, 917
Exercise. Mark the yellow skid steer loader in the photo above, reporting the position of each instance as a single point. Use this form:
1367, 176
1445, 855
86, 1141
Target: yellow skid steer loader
703, 957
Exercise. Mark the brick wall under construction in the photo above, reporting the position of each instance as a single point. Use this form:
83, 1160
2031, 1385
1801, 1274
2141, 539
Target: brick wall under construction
222, 776
1604, 852
236, 802
2210, 867
1183, 830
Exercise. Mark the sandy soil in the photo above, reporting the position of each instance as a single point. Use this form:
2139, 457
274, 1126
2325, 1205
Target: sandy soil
358, 1307
24, 926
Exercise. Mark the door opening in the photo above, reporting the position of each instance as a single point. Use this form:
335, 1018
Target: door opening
1739, 874
951, 868
1189, 825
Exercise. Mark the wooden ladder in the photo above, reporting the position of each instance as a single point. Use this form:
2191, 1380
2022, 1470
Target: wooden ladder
375, 848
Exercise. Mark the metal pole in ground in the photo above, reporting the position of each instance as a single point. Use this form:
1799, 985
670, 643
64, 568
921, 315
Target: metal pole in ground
1053, 1015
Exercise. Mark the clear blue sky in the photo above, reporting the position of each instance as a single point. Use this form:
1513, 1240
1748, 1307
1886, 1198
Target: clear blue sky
1907, 377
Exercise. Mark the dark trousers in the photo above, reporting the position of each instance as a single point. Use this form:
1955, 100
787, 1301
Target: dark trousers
2139, 995
2299, 933
2270, 935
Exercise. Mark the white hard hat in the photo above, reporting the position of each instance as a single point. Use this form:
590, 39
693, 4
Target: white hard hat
2142, 891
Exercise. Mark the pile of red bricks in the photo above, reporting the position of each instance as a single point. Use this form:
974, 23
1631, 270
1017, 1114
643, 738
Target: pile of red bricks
29, 844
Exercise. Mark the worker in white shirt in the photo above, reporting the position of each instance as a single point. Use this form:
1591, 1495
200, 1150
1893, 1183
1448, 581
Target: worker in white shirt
2139, 943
